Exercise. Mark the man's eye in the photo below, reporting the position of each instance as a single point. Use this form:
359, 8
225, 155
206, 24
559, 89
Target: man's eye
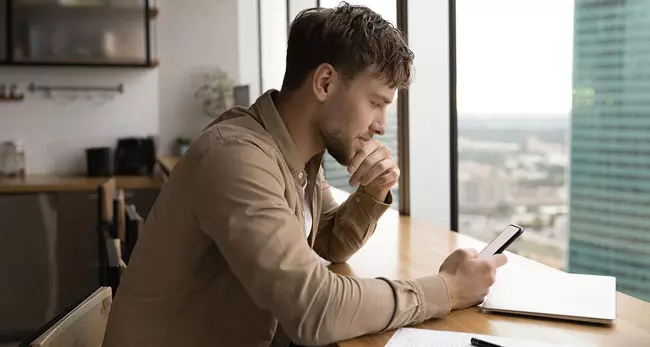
375, 105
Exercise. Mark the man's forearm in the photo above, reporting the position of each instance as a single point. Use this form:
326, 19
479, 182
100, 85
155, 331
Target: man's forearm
345, 229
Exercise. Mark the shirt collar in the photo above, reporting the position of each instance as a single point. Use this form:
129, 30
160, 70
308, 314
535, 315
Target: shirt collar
265, 108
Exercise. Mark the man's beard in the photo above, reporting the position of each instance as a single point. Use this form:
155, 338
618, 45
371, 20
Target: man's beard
337, 149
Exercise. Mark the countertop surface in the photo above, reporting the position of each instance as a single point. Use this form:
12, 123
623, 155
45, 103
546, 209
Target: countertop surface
50, 183
168, 163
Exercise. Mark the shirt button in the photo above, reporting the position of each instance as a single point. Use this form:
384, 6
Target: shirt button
357, 199
300, 175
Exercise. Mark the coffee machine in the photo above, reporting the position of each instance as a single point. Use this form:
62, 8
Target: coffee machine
135, 156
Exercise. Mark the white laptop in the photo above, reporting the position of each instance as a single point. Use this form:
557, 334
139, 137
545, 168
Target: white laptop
553, 294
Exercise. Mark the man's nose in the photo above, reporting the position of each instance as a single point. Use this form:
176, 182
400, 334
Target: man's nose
379, 126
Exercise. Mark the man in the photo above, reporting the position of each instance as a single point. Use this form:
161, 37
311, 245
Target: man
230, 251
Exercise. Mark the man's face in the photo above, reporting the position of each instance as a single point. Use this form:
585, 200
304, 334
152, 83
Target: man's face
353, 114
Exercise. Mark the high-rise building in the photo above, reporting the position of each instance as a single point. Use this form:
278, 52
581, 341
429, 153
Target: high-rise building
609, 214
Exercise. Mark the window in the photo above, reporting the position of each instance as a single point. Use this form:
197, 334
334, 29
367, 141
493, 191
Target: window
273, 37
335, 174
552, 109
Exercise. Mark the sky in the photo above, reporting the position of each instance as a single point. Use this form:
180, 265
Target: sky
514, 56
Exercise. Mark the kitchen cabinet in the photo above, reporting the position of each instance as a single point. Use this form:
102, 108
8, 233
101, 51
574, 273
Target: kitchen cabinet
28, 261
49, 253
143, 199
78, 32
77, 245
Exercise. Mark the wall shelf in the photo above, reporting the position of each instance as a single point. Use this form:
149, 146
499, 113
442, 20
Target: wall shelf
55, 35
56, 9
134, 64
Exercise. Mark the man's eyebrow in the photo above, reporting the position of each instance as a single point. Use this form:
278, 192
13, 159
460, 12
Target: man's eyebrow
383, 98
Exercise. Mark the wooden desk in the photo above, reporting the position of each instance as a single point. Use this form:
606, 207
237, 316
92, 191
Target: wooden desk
400, 249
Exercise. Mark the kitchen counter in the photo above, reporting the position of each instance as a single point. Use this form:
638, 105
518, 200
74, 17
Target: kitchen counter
168, 163
45, 183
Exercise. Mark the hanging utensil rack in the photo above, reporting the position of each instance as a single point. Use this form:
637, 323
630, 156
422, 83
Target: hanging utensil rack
49, 89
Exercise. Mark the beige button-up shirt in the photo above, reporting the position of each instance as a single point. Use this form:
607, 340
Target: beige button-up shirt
223, 259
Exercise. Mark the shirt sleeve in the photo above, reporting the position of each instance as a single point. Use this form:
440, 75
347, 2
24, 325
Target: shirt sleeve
345, 228
239, 203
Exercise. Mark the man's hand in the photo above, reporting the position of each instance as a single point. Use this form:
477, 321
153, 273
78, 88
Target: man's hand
374, 168
468, 277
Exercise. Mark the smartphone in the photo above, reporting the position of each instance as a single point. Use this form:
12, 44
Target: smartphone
502, 241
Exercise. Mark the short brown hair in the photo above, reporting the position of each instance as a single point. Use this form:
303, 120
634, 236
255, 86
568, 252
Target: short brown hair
351, 39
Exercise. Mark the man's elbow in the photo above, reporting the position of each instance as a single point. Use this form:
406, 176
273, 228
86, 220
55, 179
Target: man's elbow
333, 254
339, 258
312, 335
312, 324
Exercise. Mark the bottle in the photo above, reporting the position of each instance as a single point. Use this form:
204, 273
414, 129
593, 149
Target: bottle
8, 159
21, 169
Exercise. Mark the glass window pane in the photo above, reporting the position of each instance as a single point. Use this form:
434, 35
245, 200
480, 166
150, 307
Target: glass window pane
295, 6
337, 175
610, 132
559, 102
273, 22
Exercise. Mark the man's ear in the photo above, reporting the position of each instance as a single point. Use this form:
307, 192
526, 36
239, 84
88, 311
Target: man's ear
323, 82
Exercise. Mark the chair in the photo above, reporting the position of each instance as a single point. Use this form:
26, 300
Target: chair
112, 233
119, 218
115, 265
134, 226
106, 207
83, 326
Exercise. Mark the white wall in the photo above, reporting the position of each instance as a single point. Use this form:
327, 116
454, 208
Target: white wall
192, 39
56, 131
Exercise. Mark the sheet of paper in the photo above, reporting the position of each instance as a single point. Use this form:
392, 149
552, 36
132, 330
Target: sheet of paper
410, 337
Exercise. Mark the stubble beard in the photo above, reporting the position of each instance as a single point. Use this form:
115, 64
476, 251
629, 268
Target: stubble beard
337, 149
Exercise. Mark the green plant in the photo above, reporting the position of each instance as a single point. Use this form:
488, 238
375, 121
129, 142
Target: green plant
183, 141
216, 93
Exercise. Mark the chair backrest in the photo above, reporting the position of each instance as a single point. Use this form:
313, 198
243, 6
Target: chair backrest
120, 215
84, 326
113, 262
107, 191
134, 226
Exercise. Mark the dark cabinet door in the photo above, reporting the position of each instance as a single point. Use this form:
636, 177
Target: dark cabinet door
29, 281
80, 32
77, 245
143, 199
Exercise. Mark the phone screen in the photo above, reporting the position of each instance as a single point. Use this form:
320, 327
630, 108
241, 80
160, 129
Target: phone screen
508, 235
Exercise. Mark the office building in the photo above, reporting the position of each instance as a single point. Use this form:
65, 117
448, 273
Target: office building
609, 219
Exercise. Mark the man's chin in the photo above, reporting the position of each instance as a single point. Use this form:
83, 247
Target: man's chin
340, 158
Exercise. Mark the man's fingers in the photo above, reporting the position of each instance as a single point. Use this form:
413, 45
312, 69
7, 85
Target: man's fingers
499, 260
471, 252
382, 167
366, 165
387, 179
361, 155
